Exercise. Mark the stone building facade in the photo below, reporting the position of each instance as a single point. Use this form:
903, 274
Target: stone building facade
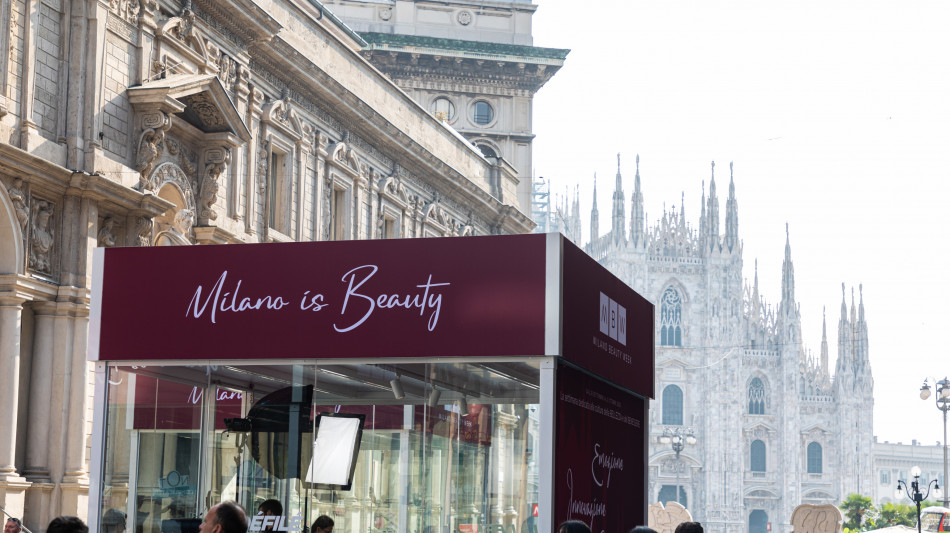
773, 426
893, 461
159, 122
470, 62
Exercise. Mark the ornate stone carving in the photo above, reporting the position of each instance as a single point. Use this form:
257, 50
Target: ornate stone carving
172, 173
179, 234
228, 70
147, 11
106, 235
464, 18
127, 10
143, 231
150, 147
218, 159
262, 156
42, 242
327, 202
385, 13
20, 204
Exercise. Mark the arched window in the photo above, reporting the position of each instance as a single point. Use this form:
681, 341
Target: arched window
814, 458
671, 318
758, 456
668, 494
673, 406
758, 521
756, 397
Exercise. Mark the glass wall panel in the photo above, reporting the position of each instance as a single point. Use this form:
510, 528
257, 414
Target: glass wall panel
445, 447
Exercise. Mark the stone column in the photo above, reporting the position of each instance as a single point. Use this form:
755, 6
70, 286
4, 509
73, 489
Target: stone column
37, 438
240, 170
256, 160
360, 231
320, 210
36, 469
11, 308
28, 131
12, 486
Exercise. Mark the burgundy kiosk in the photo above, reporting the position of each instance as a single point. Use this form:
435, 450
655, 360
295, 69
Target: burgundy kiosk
455, 385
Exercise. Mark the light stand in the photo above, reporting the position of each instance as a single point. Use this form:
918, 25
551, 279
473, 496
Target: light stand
913, 492
942, 400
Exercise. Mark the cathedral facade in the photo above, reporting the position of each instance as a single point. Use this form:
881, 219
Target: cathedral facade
745, 425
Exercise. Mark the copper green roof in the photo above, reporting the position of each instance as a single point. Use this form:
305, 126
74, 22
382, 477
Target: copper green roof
389, 40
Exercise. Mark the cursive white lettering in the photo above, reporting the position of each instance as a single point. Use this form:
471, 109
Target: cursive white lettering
428, 300
196, 308
315, 303
605, 462
589, 510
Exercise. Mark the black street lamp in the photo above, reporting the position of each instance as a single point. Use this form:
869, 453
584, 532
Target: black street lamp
942, 399
913, 492
678, 438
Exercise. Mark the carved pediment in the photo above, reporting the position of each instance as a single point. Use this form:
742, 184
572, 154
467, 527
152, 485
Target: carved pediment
393, 189
182, 35
198, 99
758, 430
344, 157
281, 115
816, 430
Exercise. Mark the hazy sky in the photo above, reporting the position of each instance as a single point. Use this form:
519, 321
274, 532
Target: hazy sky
837, 117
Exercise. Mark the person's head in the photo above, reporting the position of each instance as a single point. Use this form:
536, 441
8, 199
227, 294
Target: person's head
270, 508
573, 526
113, 520
323, 524
13, 525
689, 527
67, 524
642, 529
226, 517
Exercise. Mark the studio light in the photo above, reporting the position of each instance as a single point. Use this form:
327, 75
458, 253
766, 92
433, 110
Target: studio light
434, 397
397, 388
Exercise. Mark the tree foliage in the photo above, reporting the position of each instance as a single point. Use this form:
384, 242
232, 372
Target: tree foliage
858, 512
896, 514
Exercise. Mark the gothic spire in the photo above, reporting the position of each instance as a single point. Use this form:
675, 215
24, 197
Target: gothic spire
702, 218
844, 338
712, 212
861, 335
732, 216
636, 209
824, 344
683, 209
788, 276
594, 216
755, 292
618, 226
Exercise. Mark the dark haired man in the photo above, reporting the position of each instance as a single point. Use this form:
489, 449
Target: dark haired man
226, 517
323, 524
689, 527
67, 524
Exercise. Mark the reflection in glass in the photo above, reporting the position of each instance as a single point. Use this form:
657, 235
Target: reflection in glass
180, 439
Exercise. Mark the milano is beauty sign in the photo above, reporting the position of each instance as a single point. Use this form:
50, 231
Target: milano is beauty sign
389, 298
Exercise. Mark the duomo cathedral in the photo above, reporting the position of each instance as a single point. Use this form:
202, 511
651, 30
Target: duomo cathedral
764, 426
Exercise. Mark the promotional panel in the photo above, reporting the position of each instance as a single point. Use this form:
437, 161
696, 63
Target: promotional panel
599, 475
382, 298
607, 326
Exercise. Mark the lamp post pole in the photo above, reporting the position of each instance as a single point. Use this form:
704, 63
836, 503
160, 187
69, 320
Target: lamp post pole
678, 438
942, 399
913, 491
